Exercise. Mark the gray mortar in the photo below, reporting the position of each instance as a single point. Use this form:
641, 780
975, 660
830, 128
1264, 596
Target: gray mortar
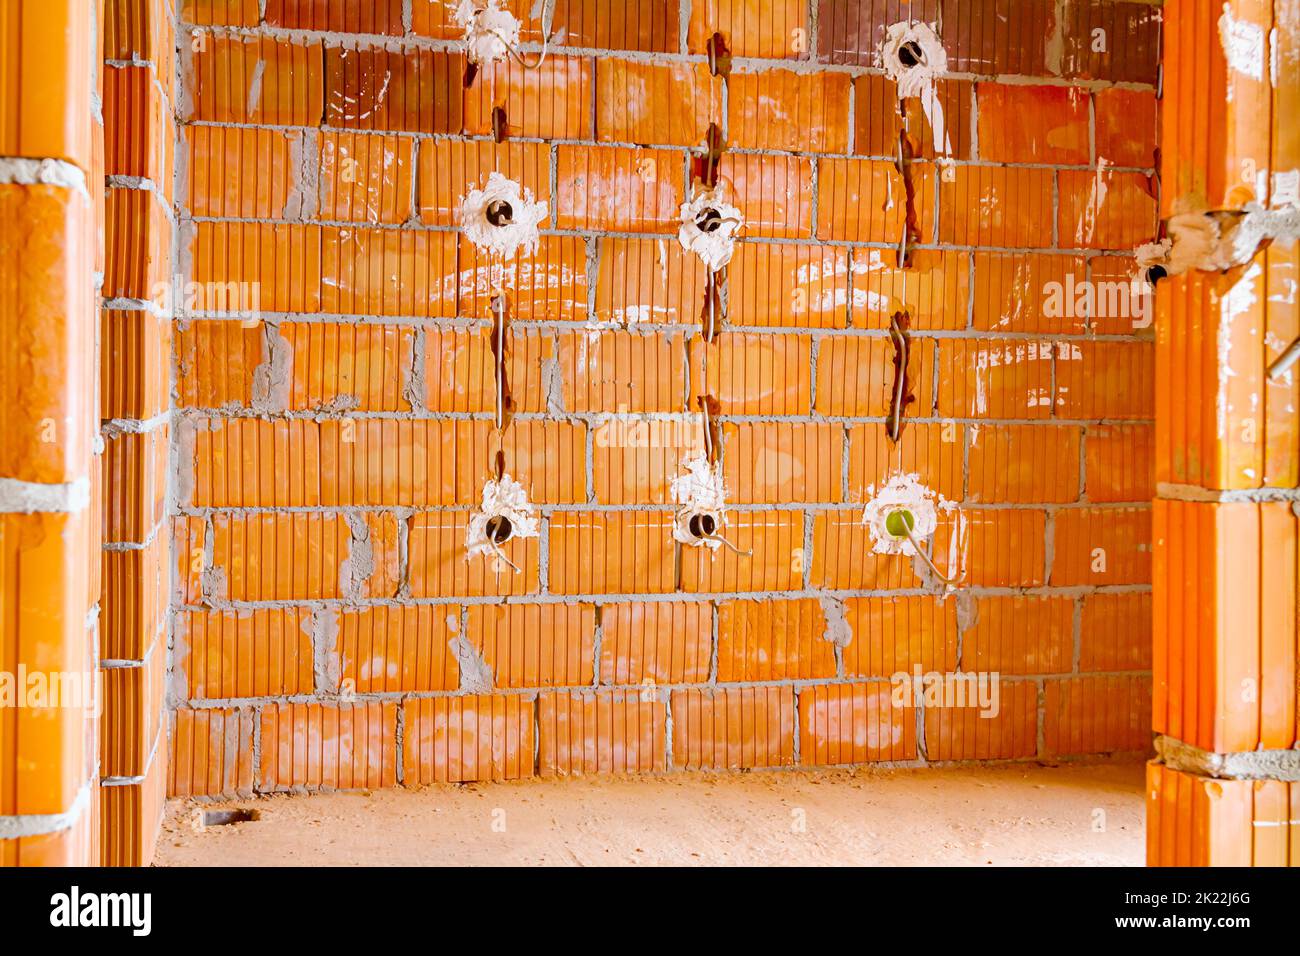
273, 376
213, 585
303, 200
838, 631
323, 627
255, 87
553, 386
1242, 765
475, 675
415, 389
355, 570
178, 689
30, 497
337, 407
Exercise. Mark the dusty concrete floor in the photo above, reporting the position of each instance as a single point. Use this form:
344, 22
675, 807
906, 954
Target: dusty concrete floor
1019, 815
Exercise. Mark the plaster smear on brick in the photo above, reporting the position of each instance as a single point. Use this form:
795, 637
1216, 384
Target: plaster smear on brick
1243, 46
356, 568
1238, 301
42, 172
701, 489
507, 499
272, 379
713, 248
518, 235
1218, 240
489, 30
902, 492
912, 80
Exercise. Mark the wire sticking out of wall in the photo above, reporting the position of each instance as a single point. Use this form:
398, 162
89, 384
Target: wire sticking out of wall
902, 395
912, 56
492, 34
502, 218
505, 512
709, 227
901, 514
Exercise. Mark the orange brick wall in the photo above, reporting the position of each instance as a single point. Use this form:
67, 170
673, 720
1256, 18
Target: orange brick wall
51, 253
135, 335
1227, 450
328, 629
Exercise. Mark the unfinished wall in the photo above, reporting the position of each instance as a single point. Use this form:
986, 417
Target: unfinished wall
51, 258
1227, 790
135, 334
330, 630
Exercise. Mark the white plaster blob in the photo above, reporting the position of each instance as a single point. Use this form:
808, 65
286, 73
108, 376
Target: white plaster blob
489, 30
1238, 301
902, 491
700, 489
714, 248
912, 80
507, 499
1217, 241
1243, 45
1280, 225
45, 172
520, 234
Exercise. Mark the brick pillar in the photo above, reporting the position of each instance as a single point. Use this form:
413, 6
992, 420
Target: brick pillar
50, 143
135, 323
1224, 789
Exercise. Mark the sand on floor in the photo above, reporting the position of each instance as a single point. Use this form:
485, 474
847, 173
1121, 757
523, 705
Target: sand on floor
1023, 814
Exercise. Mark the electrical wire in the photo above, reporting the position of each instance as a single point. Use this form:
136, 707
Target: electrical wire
948, 582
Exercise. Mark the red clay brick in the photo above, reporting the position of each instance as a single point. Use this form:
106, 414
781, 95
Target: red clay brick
535, 645
1010, 207
773, 640
1085, 715
392, 649
1097, 546
1023, 464
669, 104
238, 79
211, 752
1020, 634
784, 110
1119, 113
783, 462
262, 653
932, 452
476, 737
733, 728
773, 193
1105, 209
1116, 632
655, 642
853, 723
372, 88
618, 188
892, 635
992, 378
329, 746
963, 733
1118, 462
1033, 124
621, 552
552, 101
774, 537
592, 732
